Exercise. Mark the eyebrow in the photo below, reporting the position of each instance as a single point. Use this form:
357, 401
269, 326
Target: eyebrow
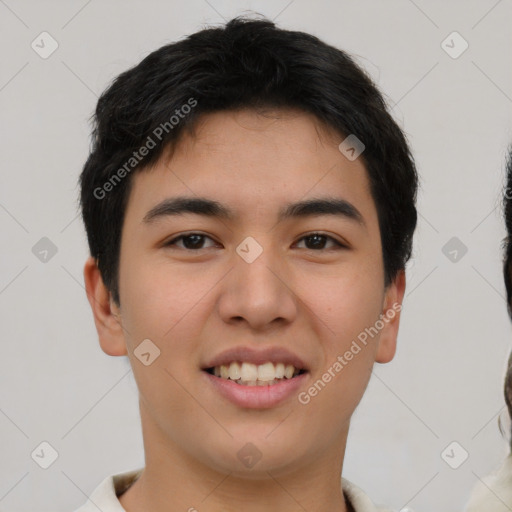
210, 208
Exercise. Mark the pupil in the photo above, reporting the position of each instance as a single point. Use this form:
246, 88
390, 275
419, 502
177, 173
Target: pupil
317, 238
198, 240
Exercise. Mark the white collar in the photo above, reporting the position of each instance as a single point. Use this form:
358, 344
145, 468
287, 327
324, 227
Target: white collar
104, 497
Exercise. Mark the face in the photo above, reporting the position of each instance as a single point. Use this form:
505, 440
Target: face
297, 288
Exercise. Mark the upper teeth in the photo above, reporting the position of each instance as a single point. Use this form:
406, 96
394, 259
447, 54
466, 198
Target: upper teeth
249, 372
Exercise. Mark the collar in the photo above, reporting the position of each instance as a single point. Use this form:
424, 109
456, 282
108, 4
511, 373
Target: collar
104, 497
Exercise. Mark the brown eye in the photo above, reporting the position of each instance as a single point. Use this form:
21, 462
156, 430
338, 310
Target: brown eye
317, 241
191, 241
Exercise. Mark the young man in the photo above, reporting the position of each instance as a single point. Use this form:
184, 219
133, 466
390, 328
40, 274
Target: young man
250, 206
495, 493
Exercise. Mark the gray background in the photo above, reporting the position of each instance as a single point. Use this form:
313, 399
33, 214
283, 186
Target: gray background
445, 383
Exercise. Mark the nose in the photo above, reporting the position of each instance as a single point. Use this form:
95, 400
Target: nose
259, 293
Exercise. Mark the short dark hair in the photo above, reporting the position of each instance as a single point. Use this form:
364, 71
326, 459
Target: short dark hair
248, 63
507, 242
507, 269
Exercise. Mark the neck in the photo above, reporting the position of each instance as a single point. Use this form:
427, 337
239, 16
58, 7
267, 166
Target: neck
175, 481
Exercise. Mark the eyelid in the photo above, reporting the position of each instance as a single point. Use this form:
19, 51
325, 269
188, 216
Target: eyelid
339, 244
173, 240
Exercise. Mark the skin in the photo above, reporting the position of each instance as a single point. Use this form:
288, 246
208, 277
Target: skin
193, 305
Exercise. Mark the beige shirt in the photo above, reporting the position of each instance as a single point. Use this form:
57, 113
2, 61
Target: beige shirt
104, 497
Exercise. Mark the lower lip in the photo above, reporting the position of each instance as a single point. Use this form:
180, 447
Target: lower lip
257, 397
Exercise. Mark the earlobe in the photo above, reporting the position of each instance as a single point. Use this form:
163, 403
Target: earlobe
106, 314
391, 318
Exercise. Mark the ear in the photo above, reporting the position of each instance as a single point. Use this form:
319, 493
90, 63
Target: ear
391, 309
106, 313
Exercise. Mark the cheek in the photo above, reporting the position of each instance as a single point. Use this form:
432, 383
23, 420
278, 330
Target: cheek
346, 301
347, 309
158, 297
164, 309
161, 305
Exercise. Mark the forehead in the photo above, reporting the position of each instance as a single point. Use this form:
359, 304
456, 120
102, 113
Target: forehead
252, 135
255, 163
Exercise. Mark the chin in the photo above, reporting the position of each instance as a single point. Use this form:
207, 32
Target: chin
253, 459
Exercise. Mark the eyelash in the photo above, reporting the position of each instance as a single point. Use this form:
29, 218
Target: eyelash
338, 244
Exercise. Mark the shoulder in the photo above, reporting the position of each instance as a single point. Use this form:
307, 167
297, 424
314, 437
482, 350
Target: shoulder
494, 493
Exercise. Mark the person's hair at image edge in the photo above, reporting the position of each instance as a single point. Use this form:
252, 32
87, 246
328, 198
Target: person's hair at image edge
247, 63
507, 272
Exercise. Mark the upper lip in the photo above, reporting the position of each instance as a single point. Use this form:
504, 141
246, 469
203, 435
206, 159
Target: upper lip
257, 356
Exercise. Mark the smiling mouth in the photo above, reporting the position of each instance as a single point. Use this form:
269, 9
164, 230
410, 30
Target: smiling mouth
248, 374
